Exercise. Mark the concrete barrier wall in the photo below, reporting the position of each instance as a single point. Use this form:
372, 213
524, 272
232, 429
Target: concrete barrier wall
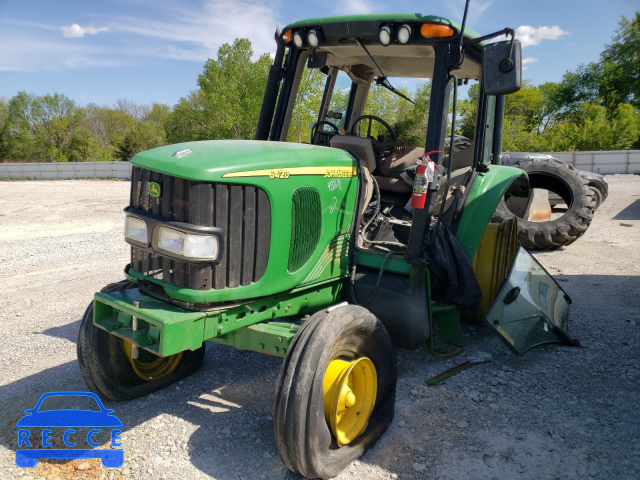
65, 171
605, 163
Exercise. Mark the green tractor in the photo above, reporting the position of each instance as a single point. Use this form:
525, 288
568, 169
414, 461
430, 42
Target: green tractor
312, 252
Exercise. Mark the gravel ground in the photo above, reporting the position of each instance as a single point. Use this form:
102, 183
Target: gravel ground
556, 412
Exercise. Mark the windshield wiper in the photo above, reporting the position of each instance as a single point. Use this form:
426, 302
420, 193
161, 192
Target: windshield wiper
382, 79
383, 82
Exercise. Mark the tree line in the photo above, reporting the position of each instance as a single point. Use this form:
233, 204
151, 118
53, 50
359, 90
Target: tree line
595, 107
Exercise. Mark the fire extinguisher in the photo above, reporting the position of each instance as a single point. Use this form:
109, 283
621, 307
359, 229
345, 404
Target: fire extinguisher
424, 174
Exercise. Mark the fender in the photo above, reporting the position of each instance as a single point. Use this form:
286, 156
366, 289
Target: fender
487, 190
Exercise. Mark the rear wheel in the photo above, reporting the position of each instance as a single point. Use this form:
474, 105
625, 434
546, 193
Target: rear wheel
108, 366
335, 393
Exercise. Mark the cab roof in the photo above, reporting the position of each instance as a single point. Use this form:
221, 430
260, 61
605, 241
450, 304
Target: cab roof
414, 59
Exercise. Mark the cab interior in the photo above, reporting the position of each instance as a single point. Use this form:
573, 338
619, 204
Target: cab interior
385, 158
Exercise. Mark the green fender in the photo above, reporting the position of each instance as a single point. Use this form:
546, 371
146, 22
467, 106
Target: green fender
484, 197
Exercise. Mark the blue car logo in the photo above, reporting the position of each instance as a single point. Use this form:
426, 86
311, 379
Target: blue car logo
90, 423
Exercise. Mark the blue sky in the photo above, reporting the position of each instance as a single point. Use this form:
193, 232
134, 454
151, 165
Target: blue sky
153, 50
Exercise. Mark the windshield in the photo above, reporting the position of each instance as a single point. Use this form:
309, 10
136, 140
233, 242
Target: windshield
329, 102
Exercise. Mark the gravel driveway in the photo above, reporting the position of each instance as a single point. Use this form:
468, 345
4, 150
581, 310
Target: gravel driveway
556, 412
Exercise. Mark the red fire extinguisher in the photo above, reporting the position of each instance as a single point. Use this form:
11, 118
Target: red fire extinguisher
424, 174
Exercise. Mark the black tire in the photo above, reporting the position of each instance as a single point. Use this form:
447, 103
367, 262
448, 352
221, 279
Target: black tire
303, 437
572, 188
106, 368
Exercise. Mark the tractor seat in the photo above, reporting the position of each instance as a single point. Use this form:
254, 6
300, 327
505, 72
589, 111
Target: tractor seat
392, 167
360, 147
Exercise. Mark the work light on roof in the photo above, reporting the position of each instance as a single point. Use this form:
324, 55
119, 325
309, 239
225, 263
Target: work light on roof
313, 38
385, 35
404, 34
297, 39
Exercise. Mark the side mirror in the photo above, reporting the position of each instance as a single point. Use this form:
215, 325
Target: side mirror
502, 67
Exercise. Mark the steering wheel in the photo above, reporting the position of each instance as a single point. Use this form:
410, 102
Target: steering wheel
381, 147
321, 137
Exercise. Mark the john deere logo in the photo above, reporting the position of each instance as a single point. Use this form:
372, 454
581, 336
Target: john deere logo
154, 189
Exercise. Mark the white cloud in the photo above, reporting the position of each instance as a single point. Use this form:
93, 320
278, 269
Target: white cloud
76, 31
171, 30
530, 36
527, 61
31, 54
203, 32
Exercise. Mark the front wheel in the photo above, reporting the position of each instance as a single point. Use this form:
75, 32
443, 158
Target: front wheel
108, 366
335, 393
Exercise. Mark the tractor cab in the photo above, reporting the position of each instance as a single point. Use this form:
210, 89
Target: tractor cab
345, 83
384, 88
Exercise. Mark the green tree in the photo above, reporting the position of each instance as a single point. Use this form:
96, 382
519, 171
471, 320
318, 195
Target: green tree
82, 146
4, 128
192, 119
408, 120
620, 65
148, 132
467, 111
625, 125
308, 100
108, 127
43, 126
233, 85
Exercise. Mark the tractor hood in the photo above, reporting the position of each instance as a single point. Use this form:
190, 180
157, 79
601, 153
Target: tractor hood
216, 160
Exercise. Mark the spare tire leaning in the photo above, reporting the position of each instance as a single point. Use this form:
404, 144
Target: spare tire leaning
572, 188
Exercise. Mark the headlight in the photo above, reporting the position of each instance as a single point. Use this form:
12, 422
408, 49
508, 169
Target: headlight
190, 245
135, 229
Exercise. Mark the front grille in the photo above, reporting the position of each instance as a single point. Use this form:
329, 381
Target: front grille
306, 225
242, 212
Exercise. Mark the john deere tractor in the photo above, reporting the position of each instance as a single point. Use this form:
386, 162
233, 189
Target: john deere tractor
328, 253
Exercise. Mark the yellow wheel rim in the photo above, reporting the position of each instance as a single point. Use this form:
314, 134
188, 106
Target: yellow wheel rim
149, 366
350, 388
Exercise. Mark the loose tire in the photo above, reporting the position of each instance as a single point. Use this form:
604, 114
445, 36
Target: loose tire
561, 231
108, 369
303, 436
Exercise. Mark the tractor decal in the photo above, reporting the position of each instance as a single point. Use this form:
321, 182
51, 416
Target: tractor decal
284, 173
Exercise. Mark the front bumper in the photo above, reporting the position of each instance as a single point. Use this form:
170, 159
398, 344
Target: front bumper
162, 328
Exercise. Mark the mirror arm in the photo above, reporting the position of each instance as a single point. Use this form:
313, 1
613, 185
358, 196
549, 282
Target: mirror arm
506, 31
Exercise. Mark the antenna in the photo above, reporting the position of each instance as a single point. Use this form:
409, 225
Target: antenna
464, 22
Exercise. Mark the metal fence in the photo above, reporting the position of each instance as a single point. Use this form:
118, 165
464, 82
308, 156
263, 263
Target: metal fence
605, 163
65, 171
